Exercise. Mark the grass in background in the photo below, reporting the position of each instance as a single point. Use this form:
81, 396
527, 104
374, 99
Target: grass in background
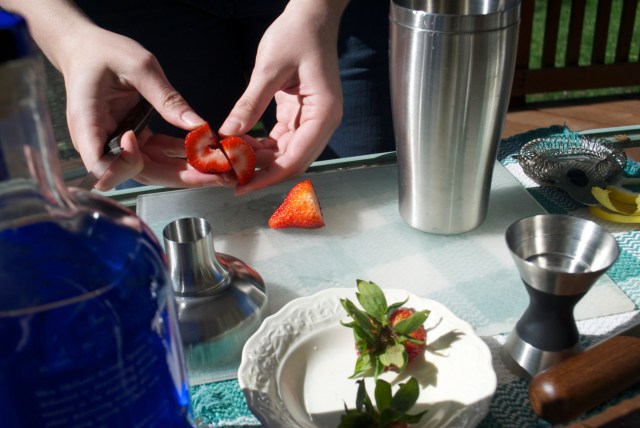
585, 49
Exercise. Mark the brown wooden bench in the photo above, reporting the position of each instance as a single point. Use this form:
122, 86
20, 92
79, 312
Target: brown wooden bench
571, 74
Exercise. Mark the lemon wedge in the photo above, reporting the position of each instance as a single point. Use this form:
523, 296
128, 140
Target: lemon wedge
606, 214
618, 200
620, 193
618, 204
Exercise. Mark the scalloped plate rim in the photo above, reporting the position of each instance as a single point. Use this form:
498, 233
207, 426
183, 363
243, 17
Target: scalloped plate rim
262, 391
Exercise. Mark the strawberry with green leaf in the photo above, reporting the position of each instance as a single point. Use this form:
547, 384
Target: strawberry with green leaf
388, 337
391, 411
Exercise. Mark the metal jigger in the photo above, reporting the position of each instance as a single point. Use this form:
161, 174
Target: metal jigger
220, 300
559, 258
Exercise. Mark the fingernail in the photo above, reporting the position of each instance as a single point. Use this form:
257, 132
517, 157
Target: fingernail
191, 118
228, 181
230, 127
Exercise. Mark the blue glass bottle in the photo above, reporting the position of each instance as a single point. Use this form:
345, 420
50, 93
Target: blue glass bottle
88, 329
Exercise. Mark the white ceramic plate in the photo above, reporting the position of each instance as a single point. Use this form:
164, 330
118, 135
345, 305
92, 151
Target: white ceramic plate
295, 369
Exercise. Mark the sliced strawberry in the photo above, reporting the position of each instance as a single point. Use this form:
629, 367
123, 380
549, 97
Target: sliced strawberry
209, 155
203, 151
241, 156
299, 209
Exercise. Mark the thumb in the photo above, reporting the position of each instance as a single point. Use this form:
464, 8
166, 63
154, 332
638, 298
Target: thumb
169, 103
249, 108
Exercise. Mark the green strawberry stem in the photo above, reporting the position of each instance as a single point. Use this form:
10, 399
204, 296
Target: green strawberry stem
391, 410
380, 345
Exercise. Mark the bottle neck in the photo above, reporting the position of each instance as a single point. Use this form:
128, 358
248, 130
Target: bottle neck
28, 156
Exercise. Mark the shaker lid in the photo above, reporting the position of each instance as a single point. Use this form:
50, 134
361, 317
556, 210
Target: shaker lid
15, 41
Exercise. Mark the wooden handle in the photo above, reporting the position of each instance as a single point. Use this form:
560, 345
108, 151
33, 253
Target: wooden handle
586, 380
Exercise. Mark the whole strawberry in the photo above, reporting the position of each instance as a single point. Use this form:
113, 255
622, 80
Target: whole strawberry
391, 411
388, 337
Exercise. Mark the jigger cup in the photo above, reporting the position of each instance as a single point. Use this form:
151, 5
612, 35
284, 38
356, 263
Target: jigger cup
559, 258
221, 301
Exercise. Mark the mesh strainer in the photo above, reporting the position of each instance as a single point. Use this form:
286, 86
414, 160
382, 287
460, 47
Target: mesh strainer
573, 163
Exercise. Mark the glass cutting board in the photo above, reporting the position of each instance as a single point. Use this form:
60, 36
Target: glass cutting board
364, 237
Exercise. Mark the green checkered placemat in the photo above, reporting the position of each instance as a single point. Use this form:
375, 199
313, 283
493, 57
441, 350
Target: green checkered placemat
222, 404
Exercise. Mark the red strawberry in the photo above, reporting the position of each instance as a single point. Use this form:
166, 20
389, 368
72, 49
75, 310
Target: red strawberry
388, 337
241, 156
420, 334
203, 151
209, 155
299, 209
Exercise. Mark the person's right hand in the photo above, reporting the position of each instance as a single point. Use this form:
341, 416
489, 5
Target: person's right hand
104, 74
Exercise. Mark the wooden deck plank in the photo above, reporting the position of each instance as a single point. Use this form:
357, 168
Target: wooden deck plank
578, 117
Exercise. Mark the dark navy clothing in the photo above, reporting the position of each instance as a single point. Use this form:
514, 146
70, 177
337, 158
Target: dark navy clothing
363, 49
207, 50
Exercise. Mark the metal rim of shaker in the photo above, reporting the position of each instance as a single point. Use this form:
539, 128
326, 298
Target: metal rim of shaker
451, 23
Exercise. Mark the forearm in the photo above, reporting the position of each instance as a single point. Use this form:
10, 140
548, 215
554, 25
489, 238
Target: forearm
54, 24
326, 13
332, 8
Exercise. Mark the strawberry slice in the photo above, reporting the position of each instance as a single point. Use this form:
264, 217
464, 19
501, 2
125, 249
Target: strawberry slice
299, 209
209, 155
204, 151
241, 156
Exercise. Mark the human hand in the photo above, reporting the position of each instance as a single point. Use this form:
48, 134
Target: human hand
163, 162
104, 76
297, 62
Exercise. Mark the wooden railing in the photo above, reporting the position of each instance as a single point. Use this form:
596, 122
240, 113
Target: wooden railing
571, 74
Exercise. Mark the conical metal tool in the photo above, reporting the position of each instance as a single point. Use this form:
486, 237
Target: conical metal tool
221, 301
559, 258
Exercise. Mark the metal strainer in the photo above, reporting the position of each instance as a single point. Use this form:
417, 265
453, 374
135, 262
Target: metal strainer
573, 163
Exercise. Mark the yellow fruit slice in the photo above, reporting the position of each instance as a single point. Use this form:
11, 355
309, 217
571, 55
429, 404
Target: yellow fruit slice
622, 194
609, 215
617, 202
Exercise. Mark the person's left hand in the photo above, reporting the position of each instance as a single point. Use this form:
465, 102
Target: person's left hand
297, 61
164, 163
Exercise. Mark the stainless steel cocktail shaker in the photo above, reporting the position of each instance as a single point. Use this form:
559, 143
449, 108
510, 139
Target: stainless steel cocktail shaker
451, 70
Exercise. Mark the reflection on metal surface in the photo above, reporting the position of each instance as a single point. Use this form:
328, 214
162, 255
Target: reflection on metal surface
221, 301
559, 258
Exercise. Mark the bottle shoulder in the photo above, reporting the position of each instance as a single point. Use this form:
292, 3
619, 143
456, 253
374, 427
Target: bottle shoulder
94, 245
